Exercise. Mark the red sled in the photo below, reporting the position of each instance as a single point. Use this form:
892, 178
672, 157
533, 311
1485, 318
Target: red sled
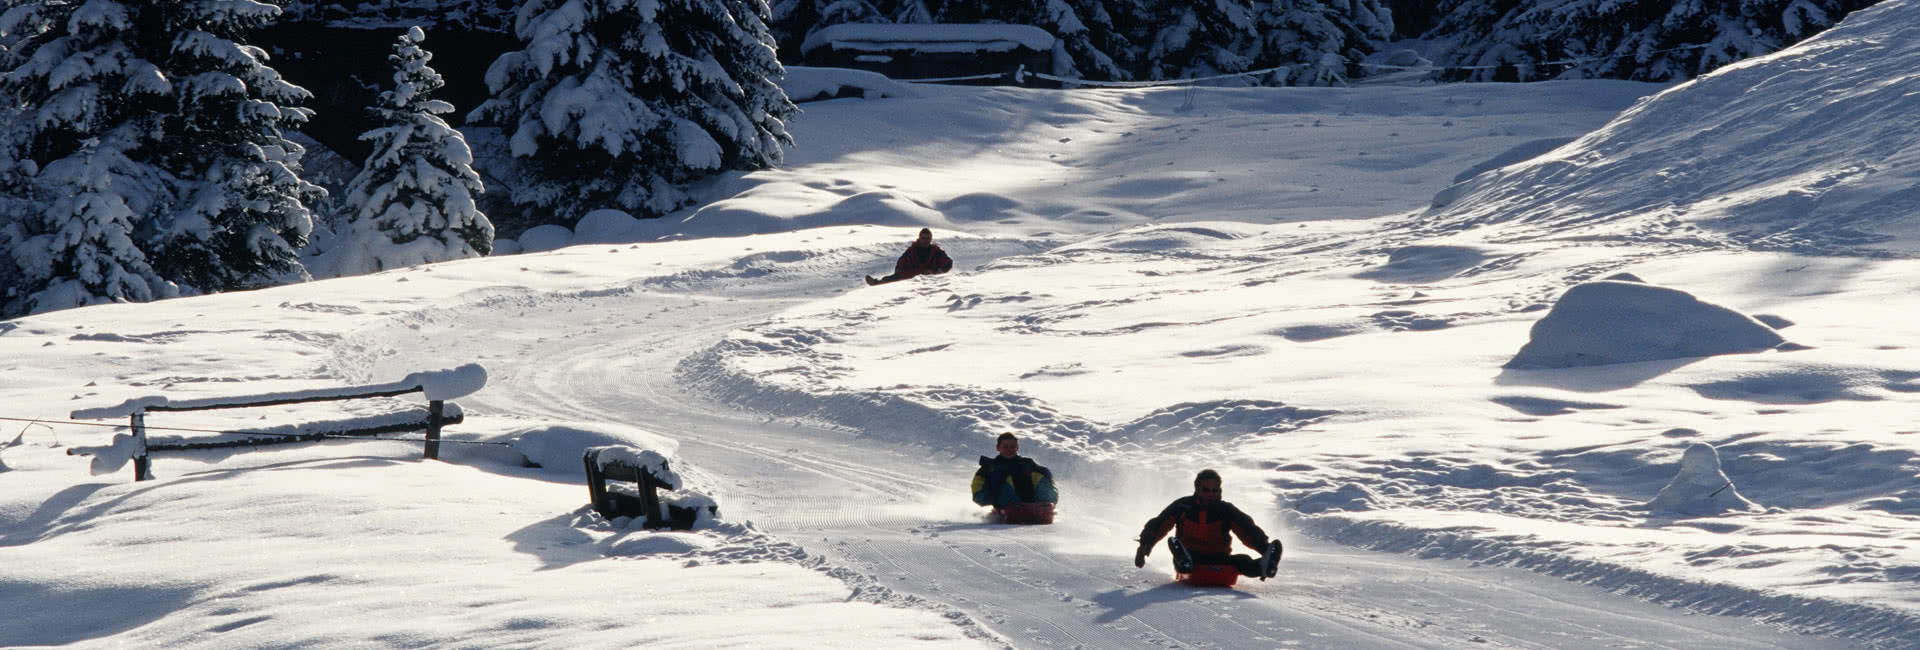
1025, 513
1210, 575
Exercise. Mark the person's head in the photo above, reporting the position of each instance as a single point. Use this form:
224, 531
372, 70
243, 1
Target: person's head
926, 236
1007, 445
1206, 486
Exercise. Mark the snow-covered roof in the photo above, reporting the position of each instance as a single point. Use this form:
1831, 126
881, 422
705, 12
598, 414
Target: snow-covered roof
939, 37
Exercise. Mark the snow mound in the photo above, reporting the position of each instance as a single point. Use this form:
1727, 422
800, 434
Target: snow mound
1621, 321
561, 447
1805, 150
1427, 263
607, 226
1700, 488
542, 238
805, 84
1161, 239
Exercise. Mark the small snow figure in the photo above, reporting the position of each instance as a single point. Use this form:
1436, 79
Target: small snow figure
923, 257
1700, 488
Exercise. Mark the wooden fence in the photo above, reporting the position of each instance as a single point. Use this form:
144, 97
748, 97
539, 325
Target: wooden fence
439, 413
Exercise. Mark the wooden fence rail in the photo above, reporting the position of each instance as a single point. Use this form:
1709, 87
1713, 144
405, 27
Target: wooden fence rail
438, 386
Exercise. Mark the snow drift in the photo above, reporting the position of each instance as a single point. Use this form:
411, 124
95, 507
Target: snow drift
1620, 321
1836, 175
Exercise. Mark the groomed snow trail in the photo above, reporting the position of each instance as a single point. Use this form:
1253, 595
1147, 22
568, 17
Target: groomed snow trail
899, 513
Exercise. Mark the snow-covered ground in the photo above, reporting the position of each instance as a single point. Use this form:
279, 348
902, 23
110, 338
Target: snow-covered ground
1654, 363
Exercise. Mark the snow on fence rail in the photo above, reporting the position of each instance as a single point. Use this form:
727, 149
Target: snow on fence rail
439, 386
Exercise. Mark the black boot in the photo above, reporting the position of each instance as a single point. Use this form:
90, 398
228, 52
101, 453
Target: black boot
1182, 560
1270, 561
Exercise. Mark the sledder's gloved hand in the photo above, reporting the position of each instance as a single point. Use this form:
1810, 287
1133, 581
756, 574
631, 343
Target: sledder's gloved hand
1140, 556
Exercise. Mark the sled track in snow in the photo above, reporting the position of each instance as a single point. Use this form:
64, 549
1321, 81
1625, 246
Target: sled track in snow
897, 514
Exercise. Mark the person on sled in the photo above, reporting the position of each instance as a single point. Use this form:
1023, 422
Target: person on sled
1009, 478
923, 257
1201, 525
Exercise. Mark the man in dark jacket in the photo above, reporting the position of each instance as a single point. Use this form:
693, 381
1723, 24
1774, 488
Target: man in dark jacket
923, 257
1201, 525
1010, 478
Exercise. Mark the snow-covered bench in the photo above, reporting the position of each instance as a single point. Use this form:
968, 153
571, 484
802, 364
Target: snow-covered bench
649, 472
439, 386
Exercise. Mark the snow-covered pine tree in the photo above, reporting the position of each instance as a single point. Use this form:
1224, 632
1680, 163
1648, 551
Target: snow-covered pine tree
1645, 40
1321, 43
195, 117
792, 21
621, 103
1482, 46
1412, 18
1366, 24
243, 212
413, 201
81, 252
1201, 38
75, 78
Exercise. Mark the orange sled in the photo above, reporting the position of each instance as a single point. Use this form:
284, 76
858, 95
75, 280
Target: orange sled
1025, 513
1210, 575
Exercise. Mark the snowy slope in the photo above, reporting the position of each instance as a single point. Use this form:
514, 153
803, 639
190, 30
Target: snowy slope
1802, 151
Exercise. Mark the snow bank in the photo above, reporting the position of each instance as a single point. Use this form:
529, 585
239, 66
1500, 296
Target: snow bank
1833, 170
1701, 488
545, 238
559, 447
606, 226
1621, 321
804, 84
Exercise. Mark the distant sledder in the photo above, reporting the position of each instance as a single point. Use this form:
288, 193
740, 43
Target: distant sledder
1203, 527
923, 257
1019, 490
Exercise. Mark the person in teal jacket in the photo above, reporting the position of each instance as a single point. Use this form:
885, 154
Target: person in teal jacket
1010, 478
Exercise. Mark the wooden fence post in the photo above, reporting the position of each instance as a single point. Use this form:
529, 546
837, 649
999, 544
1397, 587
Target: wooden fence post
142, 464
650, 498
435, 408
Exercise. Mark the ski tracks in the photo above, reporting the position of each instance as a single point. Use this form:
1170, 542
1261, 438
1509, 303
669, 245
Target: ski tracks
893, 520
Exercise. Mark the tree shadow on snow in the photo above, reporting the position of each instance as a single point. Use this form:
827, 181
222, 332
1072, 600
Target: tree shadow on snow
1121, 603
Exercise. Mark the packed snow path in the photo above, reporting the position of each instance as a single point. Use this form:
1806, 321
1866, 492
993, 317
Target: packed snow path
900, 515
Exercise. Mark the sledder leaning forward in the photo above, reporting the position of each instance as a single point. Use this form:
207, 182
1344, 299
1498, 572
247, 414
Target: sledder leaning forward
1202, 525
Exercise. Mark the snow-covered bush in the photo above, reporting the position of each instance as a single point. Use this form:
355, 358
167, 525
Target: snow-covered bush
413, 201
622, 103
